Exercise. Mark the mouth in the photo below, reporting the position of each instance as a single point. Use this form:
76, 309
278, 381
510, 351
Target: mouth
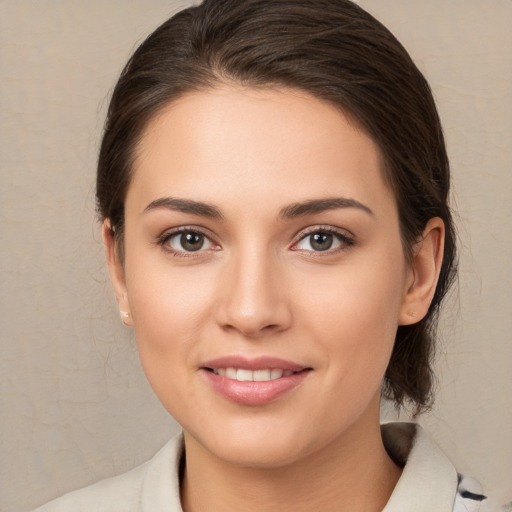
244, 375
253, 381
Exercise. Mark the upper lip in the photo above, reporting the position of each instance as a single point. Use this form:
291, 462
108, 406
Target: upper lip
256, 363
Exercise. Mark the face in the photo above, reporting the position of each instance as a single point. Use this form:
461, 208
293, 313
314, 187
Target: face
264, 272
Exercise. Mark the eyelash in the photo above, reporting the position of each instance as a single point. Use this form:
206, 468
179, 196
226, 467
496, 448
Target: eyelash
164, 239
345, 241
343, 238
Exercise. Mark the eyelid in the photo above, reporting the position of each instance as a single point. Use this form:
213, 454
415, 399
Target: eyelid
346, 238
171, 232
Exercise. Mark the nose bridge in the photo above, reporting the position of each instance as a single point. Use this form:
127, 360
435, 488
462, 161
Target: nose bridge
254, 299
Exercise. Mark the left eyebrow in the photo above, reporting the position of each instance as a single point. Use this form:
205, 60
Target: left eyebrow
320, 205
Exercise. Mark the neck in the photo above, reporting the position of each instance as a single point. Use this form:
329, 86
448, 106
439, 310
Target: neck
353, 470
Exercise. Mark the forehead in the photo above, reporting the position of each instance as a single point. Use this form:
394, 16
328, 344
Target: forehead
266, 143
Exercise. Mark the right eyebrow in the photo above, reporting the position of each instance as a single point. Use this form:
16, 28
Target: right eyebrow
185, 206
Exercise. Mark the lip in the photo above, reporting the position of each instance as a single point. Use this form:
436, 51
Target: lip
257, 363
253, 393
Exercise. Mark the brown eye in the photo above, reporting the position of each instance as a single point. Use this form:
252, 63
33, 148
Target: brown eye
191, 241
188, 241
321, 241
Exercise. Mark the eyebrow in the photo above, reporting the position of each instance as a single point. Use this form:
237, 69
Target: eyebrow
291, 211
320, 205
185, 206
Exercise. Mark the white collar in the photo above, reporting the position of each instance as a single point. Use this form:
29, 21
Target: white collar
428, 481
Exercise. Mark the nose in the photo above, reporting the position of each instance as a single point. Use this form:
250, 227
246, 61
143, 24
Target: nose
254, 299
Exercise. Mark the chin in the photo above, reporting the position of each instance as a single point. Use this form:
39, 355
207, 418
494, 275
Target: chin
257, 453
261, 445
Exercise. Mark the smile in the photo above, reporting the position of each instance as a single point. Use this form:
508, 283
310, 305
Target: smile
253, 382
244, 375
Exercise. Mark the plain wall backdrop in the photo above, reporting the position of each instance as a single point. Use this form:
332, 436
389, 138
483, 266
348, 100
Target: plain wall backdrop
75, 406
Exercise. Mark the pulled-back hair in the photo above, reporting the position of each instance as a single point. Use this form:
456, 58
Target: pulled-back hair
335, 51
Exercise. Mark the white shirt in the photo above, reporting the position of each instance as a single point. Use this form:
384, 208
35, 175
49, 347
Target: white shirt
429, 482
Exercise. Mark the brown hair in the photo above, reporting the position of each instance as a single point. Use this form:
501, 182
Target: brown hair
337, 52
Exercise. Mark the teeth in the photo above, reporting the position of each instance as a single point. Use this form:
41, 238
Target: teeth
243, 375
261, 375
231, 373
276, 374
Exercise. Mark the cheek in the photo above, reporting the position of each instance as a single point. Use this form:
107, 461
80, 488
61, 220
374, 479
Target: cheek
354, 313
367, 295
168, 316
168, 308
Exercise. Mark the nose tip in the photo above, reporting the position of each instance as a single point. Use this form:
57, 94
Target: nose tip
254, 302
253, 324
250, 329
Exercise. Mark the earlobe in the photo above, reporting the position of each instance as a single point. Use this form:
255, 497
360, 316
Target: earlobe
116, 271
425, 268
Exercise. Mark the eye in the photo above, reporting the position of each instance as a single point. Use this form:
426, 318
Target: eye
186, 241
322, 240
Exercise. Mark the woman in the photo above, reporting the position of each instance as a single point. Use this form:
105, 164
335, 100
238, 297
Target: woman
273, 187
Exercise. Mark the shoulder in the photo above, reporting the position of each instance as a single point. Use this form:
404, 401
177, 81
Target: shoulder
429, 480
142, 489
470, 498
118, 493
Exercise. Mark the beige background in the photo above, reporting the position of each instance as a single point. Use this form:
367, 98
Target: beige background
75, 406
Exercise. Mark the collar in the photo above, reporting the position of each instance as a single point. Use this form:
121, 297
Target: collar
161, 485
428, 481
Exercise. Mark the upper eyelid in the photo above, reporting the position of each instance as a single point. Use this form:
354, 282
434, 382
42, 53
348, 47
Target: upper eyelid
346, 238
183, 229
304, 232
171, 232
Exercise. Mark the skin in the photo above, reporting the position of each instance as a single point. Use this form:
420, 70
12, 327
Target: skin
258, 287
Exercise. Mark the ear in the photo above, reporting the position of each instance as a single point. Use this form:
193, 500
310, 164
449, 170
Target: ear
116, 271
423, 273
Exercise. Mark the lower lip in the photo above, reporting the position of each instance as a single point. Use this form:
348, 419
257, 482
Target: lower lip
254, 393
